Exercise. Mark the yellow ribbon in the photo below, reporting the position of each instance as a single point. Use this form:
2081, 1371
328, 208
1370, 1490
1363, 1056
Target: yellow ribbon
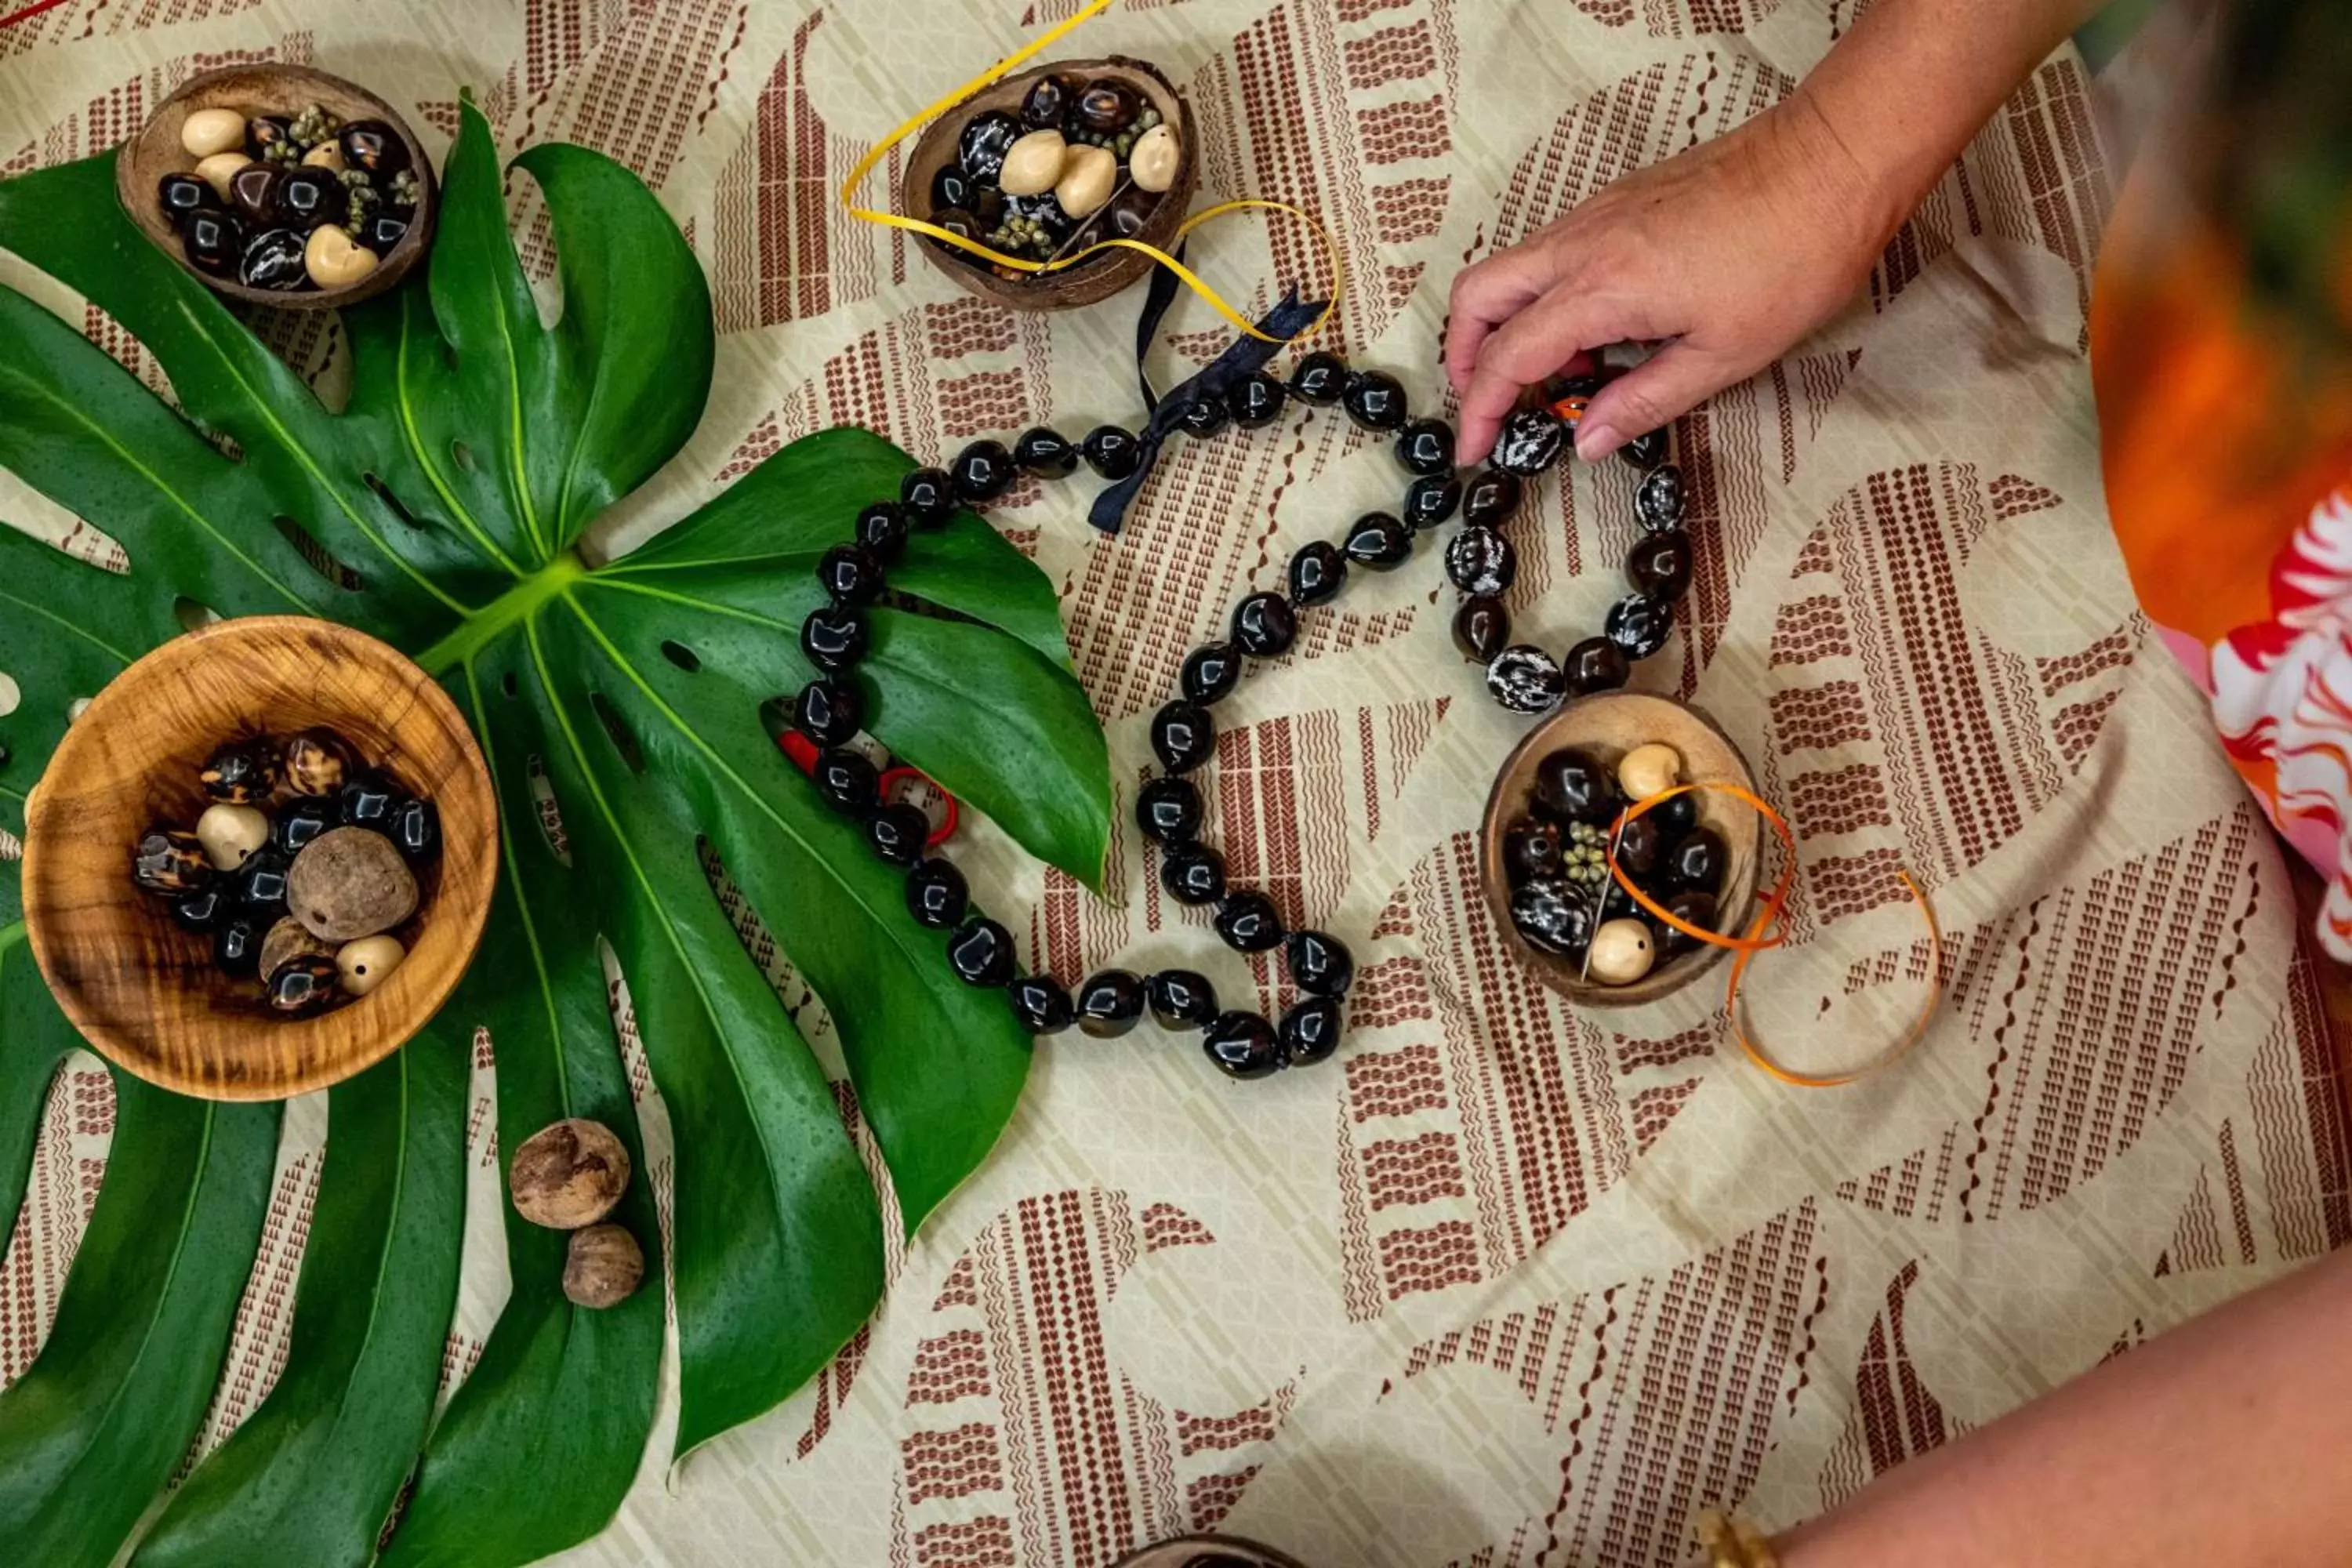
1184, 274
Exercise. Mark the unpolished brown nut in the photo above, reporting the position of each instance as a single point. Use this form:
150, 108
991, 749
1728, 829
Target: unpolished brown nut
569, 1174
289, 938
348, 883
603, 1267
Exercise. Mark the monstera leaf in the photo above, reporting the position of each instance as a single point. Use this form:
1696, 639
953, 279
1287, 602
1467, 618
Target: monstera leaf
442, 509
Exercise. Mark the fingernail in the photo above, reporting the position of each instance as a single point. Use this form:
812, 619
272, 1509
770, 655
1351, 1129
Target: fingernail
1594, 442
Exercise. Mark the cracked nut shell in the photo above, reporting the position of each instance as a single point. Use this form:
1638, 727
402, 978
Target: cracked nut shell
603, 1267
569, 1174
350, 883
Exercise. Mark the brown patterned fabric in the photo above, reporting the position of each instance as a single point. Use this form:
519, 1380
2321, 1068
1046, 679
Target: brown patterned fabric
1503, 1285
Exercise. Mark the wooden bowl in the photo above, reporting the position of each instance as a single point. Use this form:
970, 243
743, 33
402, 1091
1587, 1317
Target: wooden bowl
1608, 726
143, 991
1105, 274
155, 151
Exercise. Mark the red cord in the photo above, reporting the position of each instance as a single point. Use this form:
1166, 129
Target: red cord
29, 12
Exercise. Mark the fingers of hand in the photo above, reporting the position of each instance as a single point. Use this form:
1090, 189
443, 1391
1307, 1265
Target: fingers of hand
1484, 297
1541, 339
1663, 388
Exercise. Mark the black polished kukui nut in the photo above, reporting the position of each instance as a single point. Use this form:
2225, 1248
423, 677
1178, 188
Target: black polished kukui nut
1639, 624
896, 832
1319, 963
847, 778
1243, 1045
1491, 497
1430, 499
1531, 441
1181, 999
1039, 1003
850, 576
981, 953
1255, 401
936, 894
829, 711
1317, 573
1248, 922
1109, 1003
1482, 628
1660, 564
1264, 626
1310, 1031
929, 497
1210, 672
1193, 873
833, 638
1375, 400
1481, 560
1425, 447
1111, 452
1204, 418
1319, 379
1168, 810
882, 529
983, 471
1658, 501
1379, 541
1596, 664
1183, 736
1045, 452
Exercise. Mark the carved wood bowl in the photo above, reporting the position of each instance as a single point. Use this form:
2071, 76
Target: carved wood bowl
143, 991
1609, 725
267, 89
1106, 274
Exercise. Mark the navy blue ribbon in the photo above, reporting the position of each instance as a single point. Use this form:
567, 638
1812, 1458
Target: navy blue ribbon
1246, 358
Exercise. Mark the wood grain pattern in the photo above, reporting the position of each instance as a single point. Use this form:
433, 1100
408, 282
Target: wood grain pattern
1099, 280
155, 151
144, 992
1608, 726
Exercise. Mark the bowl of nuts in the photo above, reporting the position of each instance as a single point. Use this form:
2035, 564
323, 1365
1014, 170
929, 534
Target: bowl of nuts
260, 860
1047, 162
280, 185
1553, 818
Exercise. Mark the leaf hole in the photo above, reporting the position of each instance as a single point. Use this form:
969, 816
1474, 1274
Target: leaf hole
316, 556
393, 503
191, 616
618, 733
462, 454
507, 683
684, 657
775, 718
225, 445
549, 814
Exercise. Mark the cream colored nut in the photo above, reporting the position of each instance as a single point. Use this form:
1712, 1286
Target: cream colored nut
211, 130
348, 883
364, 964
1033, 164
288, 939
230, 833
568, 1174
1622, 952
326, 155
334, 260
603, 1267
1649, 770
219, 169
1154, 158
1087, 180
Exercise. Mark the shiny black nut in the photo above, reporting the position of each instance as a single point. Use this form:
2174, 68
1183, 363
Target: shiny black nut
981, 144
1431, 500
236, 945
263, 131
1640, 849
850, 576
1375, 400
1492, 498
1676, 815
1379, 541
1481, 560
981, 953
1109, 1003
1425, 447
273, 260
1647, 450
1264, 624
1660, 565
896, 832
983, 471
1531, 442
1692, 906
1572, 785
1181, 999
303, 984
833, 638
1168, 810
1554, 916
1107, 106
936, 894
1317, 573
170, 862
202, 910
1658, 501
930, 495
214, 241
882, 531
1482, 628
1255, 401
1112, 452
240, 773
847, 778
1211, 672
952, 189
260, 885
1596, 664
368, 800
1045, 452
1524, 680
1310, 1031
829, 712
1248, 922
1530, 850
1639, 624
1319, 962
1244, 1046
1050, 98
372, 145
1319, 379
1698, 858
1203, 418
1039, 1003
1193, 873
253, 193
307, 198
1183, 736
416, 830
382, 231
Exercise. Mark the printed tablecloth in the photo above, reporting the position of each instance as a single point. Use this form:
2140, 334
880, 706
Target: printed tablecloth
1503, 1284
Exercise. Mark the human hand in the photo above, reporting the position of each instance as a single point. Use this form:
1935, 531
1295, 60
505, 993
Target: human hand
1730, 251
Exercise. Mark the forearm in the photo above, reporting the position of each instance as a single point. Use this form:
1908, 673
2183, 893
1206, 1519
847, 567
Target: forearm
1914, 79
2224, 1443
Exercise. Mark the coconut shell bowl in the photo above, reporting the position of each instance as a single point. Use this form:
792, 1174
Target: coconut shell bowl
275, 95
1605, 728
952, 177
144, 992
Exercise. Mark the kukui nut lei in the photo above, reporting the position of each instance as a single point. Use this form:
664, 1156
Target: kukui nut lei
289, 204
299, 870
